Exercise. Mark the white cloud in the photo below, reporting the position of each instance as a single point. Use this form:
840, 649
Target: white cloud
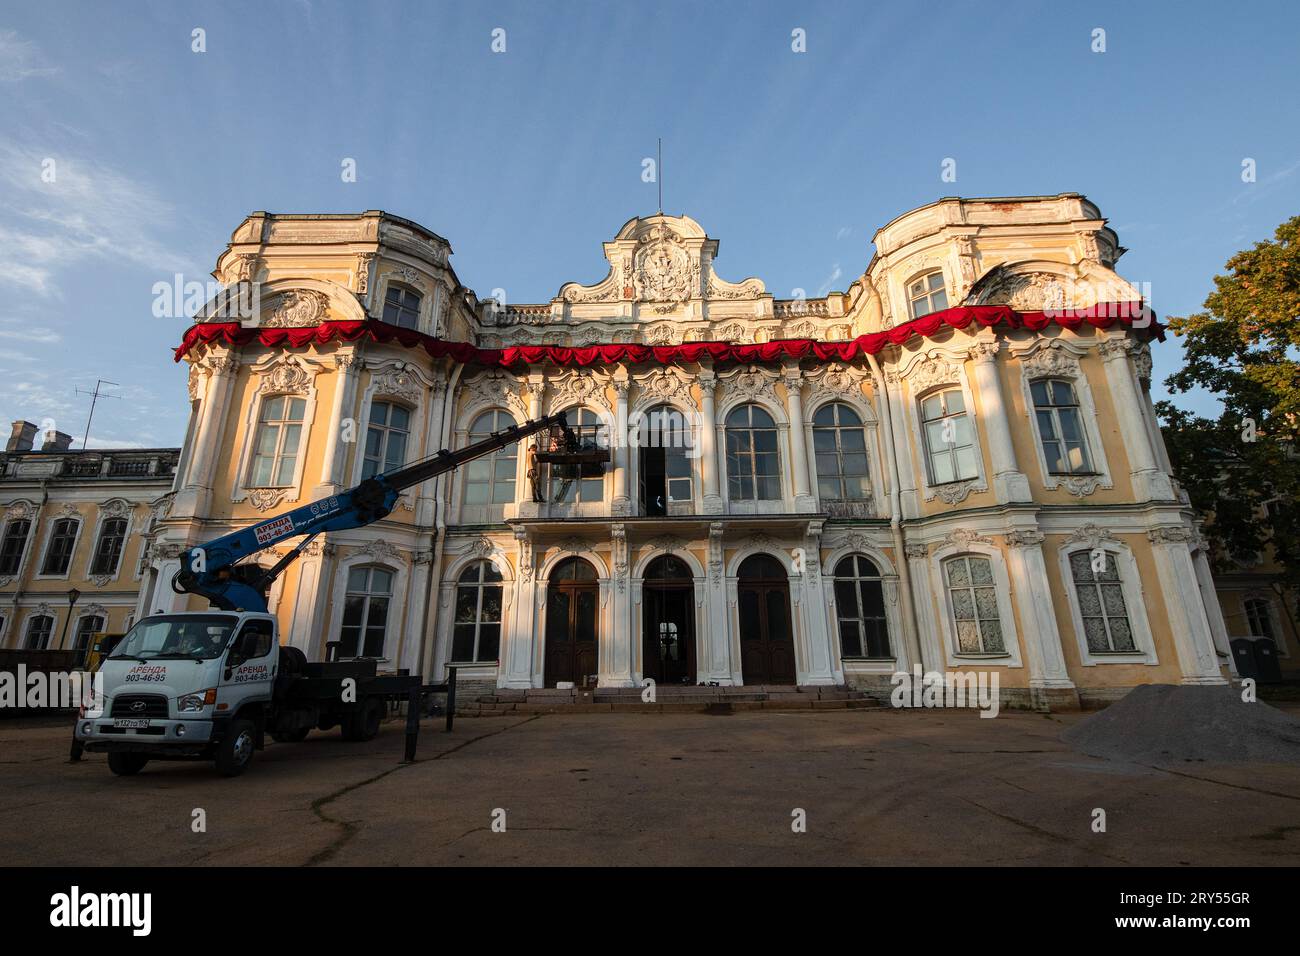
32, 334
13, 356
21, 59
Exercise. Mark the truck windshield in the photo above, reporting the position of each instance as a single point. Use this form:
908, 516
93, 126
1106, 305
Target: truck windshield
198, 636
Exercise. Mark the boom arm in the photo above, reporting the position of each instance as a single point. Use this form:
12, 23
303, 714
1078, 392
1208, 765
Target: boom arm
212, 569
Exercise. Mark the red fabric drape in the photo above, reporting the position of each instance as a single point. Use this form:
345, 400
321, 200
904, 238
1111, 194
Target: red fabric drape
960, 317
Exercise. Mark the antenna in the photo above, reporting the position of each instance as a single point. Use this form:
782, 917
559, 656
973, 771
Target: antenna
94, 397
659, 165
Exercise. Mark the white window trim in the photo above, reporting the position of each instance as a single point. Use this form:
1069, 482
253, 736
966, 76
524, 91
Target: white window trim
292, 492
871, 435
893, 612
962, 489
431, 298
100, 519
1006, 610
1134, 603
784, 501
924, 274
583, 509
447, 615
33, 531
495, 513
1071, 371
25, 631
394, 626
377, 390
1274, 617
49, 538
690, 417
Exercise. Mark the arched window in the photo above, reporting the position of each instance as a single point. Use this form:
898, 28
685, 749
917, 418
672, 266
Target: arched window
1259, 618
860, 608
490, 480
386, 438
840, 447
108, 550
589, 484
63, 538
949, 442
39, 629
275, 452
753, 466
1060, 427
974, 601
402, 306
1101, 602
925, 294
365, 612
476, 633
87, 628
13, 544
664, 438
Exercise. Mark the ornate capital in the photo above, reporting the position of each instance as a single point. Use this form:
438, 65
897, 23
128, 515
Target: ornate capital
1170, 535
984, 351
1023, 539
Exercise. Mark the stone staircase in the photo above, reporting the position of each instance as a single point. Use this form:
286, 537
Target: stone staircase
668, 700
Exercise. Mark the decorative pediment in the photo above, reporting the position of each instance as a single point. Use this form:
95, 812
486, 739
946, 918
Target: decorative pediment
838, 377
1051, 360
964, 538
933, 371
751, 382
578, 387
1031, 291
1091, 535
495, 387
20, 509
665, 384
295, 308
115, 508
264, 499
289, 375
379, 549
399, 383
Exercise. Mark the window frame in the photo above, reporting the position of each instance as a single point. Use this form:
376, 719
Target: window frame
103, 523
580, 505
838, 618
1134, 603
27, 631
278, 456
263, 371
753, 501
23, 550
407, 290
479, 586
392, 596
1065, 366
489, 510
836, 430
1002, 591
927, 295
1054, 411
968, 413
55, 520
386, 430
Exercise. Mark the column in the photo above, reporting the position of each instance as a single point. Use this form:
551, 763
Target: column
348, 369
193, 498
517, 653
526, 506
1149, 482
909, 506
820, 665
1048, 676
425, 505
719, 632
709, 442
622, 504
1184, 607
616, 657
918, 565
1210, 600
416, 617
1009, 483
803, 500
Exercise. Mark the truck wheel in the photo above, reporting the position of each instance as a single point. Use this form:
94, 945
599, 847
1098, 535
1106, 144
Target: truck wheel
364, 724
126, 764
235, 752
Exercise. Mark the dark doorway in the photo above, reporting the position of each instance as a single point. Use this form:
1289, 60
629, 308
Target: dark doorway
668, 622
572, 612
664, 472
766, 640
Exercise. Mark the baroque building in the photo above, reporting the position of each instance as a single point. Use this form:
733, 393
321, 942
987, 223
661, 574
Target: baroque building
955, 464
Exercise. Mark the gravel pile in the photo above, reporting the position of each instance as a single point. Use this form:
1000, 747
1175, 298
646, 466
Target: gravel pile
1167, 724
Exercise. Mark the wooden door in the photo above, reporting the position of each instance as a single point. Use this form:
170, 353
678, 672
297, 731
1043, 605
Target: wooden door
572, 616
766, 636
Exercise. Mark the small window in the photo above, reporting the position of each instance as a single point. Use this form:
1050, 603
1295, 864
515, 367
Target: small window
860, 608
490, 480
974, 600
263, 636
1060, 428
476, 636
62, 540
279, 430
753, 468
1101, 603
949, 444
1259, 618
13, 544
108, 550
386, 438
402, 306
926, 294
840, 448
39, 629
365, 612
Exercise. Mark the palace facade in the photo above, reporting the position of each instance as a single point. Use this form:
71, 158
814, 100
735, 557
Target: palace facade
954, 464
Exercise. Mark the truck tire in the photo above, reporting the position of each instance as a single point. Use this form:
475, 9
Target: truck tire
235, 752
126, 764
364, 724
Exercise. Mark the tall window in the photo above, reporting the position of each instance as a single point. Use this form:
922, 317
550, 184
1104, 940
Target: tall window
949, 444
860, 607
87, 628
925, 295
1060, 427
279, 430
108, 550
753, 468
974, 601
1101, 603
840, 446
386, 437
665, 473
39, 629
476, 634
12, 545
490, 480
365, 612
589, 483
63, 538
1259, 618
402, 306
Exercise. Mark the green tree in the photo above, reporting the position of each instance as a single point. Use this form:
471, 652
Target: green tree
1243, 470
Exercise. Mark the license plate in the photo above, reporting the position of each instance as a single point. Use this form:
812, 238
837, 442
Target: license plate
132, 724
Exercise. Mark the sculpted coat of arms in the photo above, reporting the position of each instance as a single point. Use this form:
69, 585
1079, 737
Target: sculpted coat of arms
663, 269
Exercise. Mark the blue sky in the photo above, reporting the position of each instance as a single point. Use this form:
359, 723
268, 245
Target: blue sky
527, 160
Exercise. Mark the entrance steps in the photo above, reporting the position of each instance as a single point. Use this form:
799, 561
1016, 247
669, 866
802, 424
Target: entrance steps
669, 699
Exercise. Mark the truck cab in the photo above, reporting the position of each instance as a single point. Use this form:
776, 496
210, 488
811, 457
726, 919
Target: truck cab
189, 684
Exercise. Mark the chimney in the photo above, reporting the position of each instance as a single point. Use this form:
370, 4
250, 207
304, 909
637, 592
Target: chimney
21, 437
56, 441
